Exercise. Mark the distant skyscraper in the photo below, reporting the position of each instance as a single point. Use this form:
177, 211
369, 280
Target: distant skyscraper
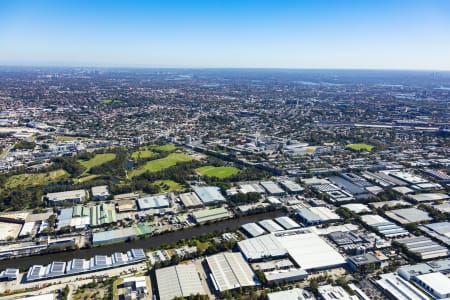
187, 140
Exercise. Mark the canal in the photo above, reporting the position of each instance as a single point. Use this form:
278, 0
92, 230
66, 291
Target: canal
24, 263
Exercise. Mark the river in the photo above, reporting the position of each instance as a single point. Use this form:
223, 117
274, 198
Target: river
24, 263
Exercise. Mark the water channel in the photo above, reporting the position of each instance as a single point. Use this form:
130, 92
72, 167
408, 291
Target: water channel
24, 263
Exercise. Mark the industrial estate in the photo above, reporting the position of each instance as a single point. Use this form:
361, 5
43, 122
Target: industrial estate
221, 184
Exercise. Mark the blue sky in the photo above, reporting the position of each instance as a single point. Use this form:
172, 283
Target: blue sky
368, 34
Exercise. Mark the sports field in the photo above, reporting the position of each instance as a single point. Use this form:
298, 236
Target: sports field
360, 147
219, 172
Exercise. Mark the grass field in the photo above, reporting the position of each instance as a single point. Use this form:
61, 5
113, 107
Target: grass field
109, 101
28, 180
219, 172
169, 186
360, 147
166, 148
97, 160
142, 153
160, 164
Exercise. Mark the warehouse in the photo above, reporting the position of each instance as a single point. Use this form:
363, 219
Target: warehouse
440, 231
253, 230
270, 225
272, 188
9, 274
291, 186
398, 288
211, 215
112, 236
386, 228
334, 292
69, 197
307, 216
357, 208
363, 262
100, 193
229, 271
316, 215
424, 247
408, 215
292, 294
436, 284
287, 222
409, 271
428, 197
153, 202
190, 200
209, 195
309, 251
262, 247
283, 276
178, 281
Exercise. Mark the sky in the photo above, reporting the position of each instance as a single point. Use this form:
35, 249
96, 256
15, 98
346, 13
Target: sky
333, 34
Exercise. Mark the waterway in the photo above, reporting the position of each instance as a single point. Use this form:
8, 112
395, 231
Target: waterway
24, 263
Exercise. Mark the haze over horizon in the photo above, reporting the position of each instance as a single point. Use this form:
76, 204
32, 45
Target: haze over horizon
403, 35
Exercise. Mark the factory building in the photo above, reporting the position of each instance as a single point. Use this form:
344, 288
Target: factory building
270, 225
76, 266
153, 202
69, 197
384, 227
178, 281
398, 288
424, 247
211, 215
253, 230
292, 294
190, 200
230, 271
100, 193
272, 188
287, 222
209, 195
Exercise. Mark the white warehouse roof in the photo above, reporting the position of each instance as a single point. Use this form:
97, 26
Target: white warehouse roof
178, 281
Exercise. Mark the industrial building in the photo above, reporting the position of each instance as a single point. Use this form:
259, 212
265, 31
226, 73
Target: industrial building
440, 231
334, 292
291, 186
263, 247
424, 247
253, 229
436, 284
292, 294
9, 274
428, 197
384, 227
211, 215
76, 266
190, 200
69, 197
100, 193
316, 215
230, 271
81, 217
283, 276
357, 208
178, 281
153, 202
270, 225
113, 236
209, 195
305, 248
309, 251
363, 261
409, 271
408, 215
287, 222
272, 188
398, 288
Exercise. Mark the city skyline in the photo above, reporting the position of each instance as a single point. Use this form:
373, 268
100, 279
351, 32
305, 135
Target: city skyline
404, 35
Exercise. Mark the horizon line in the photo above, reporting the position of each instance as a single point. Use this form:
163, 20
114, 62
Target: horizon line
142, 67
